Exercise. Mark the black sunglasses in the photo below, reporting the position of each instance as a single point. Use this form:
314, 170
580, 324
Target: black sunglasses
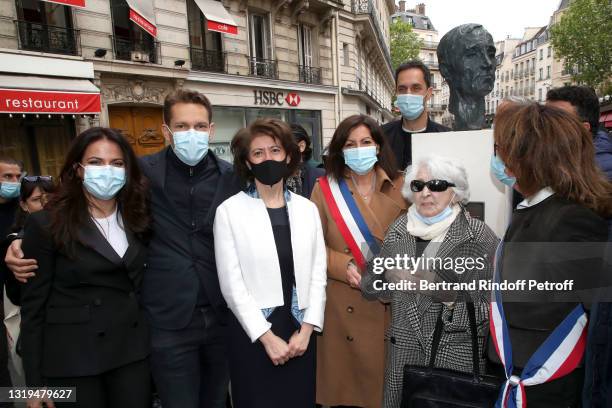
433, 185
36, 179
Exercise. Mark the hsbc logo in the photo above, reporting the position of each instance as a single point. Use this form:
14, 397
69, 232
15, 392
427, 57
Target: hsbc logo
272, 98
293, 99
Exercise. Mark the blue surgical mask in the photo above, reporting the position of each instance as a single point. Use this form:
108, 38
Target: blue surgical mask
444, 214
360, 159
103, 182
190, 146
499, 171
410, 105
9, 190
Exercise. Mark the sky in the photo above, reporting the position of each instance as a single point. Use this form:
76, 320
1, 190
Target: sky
500, 17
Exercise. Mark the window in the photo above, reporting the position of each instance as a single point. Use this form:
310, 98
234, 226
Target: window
431, 58
261, 46
305, 46
46, 27
345, 55
206, 48
129, 37
540, 95
541, 74
522, 49
549, 52
528, 47
548, 72
541, 54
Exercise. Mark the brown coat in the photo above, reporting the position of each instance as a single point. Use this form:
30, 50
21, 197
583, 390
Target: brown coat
350, 352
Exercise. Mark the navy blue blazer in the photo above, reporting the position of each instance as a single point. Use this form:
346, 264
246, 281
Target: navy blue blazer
179, 259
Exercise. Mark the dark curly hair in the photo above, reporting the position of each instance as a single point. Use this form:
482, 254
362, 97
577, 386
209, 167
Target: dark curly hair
277, 130
583, 99
69, 208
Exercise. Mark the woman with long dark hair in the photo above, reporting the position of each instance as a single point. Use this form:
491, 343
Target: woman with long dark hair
81, 321
362, 192
557, 234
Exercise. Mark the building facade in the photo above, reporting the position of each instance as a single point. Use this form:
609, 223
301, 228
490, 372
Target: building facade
311, 62
423, 27
504, 76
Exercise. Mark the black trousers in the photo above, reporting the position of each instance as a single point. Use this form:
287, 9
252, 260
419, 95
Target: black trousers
128, 386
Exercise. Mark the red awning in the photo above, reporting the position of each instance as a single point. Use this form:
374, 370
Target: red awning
218, 19
74, 3
46, 95
143, 14
606, 119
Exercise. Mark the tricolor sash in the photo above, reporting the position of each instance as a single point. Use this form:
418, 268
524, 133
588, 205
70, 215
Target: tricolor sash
558, 356
349, 220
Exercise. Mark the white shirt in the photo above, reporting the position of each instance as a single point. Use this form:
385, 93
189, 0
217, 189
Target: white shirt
111, 228
537, 198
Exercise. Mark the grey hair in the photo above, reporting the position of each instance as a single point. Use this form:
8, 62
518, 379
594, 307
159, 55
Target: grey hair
443, 168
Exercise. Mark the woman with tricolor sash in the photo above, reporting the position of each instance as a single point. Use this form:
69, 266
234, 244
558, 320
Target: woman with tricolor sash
357, 200
557, 234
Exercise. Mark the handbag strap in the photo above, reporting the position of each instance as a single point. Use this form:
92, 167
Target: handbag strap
437, 336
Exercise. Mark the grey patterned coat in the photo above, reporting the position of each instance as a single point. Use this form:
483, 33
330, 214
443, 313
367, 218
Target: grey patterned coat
413, 316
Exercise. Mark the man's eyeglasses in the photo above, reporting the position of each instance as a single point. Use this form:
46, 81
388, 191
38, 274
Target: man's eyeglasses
435, 185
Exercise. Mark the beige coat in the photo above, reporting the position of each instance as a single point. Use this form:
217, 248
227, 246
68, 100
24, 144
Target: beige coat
350, 353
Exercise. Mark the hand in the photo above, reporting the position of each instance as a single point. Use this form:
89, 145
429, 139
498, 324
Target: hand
276, 348
37, 403
23, 269
353, 276
298, 343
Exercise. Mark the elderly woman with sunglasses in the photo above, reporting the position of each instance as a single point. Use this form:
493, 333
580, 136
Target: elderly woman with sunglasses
433, 242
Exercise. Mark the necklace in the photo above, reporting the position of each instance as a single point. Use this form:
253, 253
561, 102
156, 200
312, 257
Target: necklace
367, 195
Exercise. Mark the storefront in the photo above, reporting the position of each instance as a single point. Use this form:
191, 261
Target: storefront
237, 105
40, 114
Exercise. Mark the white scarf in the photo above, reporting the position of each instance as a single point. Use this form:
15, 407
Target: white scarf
434, 232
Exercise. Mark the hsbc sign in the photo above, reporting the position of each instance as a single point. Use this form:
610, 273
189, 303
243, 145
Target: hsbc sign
273, 98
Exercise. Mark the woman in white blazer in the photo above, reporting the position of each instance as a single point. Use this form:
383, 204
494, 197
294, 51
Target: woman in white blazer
271, 261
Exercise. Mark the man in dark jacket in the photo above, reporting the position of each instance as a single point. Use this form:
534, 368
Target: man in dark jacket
304, 181
583, 102
413, 89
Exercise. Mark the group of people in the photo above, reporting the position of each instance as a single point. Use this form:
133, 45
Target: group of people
260, 276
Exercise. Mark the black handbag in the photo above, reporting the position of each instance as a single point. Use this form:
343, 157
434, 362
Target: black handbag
430, 387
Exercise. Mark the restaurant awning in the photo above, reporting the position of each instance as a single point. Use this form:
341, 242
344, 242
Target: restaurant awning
74, 3
143, 14
217, 16
46, 95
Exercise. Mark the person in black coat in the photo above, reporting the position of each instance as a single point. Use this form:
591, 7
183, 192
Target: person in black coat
82, 325
557, 234
306, 177
414, 91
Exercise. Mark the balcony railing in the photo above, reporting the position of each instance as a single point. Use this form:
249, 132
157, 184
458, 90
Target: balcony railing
208, 60
128, 49
51, 39
309, 75
430, 45
263, 68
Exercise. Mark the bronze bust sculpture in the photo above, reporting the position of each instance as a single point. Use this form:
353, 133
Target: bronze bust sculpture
466, 56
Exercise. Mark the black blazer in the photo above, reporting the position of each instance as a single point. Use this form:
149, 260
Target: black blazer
80, 316
178, 258
553, 240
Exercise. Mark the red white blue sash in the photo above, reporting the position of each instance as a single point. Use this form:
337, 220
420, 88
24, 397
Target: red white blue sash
558, 356
349, 220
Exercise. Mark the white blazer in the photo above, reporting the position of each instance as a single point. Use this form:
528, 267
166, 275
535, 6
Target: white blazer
247, 260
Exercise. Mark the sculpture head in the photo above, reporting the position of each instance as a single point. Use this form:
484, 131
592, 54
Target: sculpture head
466, 55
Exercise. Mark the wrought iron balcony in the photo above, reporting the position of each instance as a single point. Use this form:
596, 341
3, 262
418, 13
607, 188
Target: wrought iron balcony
309, 75
263, 68
208, 60
45, 38
128, 49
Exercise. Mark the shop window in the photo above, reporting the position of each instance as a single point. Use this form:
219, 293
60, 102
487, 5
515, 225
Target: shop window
46, 27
